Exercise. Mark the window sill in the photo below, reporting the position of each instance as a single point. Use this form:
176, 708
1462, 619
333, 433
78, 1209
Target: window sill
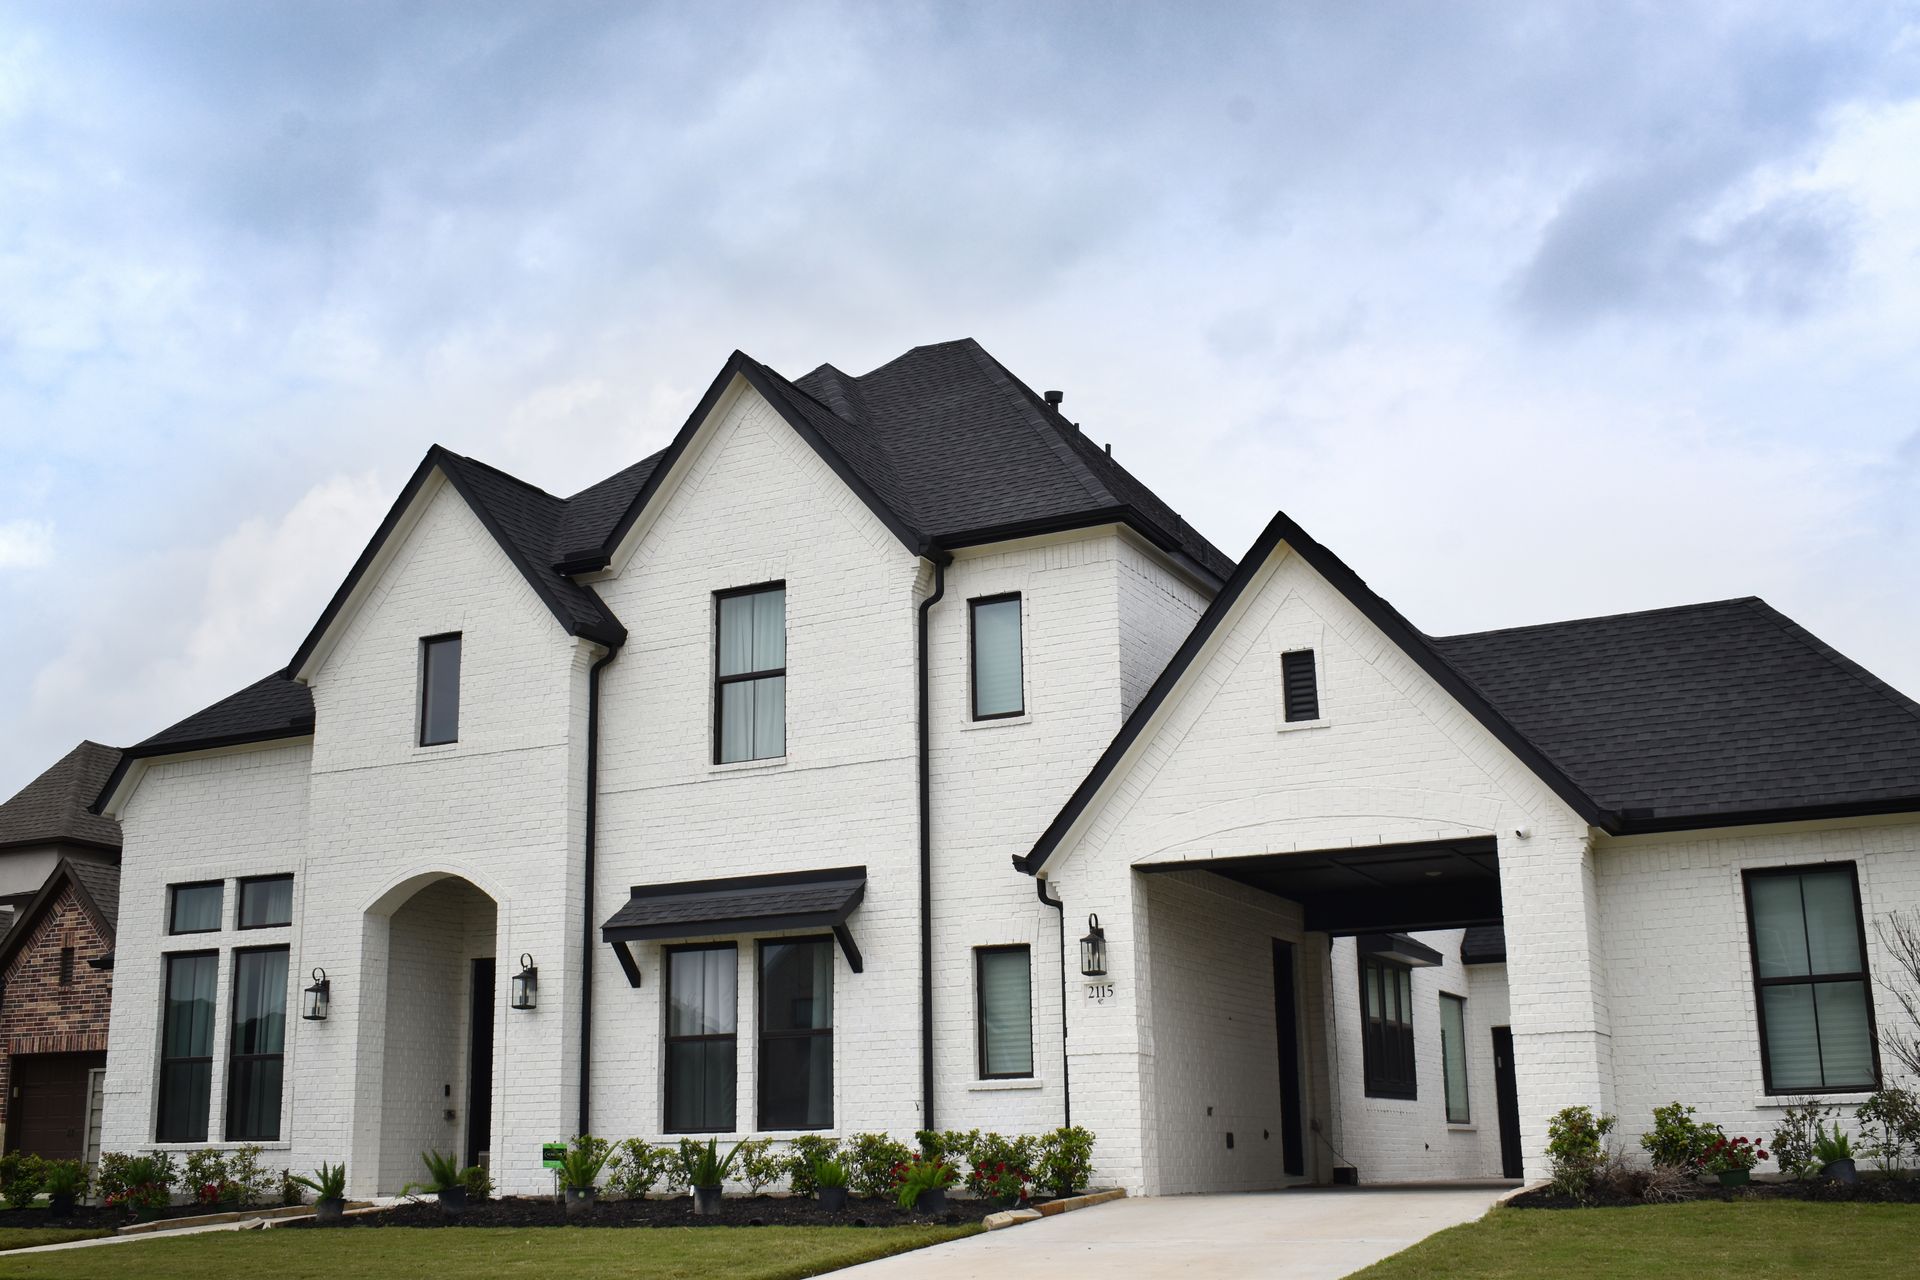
1469, 1127
1004, 1086
996, 722
213, 1146
1780, 1102
434, 748
1289, 726
749, 766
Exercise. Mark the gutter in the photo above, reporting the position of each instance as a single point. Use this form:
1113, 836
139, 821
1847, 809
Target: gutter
1066, 1082
940, 561
586, 919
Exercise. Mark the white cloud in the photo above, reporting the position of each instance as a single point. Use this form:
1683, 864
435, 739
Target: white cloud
25, 544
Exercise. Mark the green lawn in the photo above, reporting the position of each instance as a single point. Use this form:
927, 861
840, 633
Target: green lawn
27, 1237
661, 1253
1751, 1241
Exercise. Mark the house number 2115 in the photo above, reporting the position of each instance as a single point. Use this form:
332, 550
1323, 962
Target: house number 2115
1099, 992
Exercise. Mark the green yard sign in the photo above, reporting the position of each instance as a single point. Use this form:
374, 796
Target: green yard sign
553, 1154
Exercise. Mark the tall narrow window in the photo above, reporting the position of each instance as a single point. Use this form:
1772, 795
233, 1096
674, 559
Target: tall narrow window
796, 1033
1301, 685
1003, 977
1453, 1056
186, 1047
256, 1048
702, 1000
66, 966
750, 674
1386, 1011
1810, 971
997, 678
439, 690
194, 908
266, 902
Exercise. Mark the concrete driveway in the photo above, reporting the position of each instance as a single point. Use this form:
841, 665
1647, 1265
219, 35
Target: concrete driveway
1307, 1234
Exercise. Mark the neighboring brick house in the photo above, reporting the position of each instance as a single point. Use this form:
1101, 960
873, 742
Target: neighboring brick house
56, 957
687, 805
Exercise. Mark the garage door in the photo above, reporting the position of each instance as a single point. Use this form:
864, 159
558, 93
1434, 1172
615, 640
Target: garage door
47, 1112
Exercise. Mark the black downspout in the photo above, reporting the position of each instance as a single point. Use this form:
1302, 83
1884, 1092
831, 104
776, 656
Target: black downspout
940, 559
1066, 1083
586, 921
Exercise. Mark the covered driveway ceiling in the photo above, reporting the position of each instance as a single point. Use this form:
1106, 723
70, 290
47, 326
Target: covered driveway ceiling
1446, 884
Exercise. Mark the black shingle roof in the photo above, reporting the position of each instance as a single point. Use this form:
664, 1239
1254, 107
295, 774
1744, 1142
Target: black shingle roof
271, 707
54, 807
102, 883
1699, 711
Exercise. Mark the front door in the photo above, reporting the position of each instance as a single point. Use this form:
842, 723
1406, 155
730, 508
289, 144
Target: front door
1286, 1021
480, 1063
1507, 1099
47, 1104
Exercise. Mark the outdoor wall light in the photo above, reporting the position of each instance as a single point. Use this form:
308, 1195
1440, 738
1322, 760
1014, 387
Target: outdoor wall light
318, 996
1093, 949
526, 984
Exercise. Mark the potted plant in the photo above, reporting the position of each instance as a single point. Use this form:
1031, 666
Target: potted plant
65, 1181
1834, 1150
1731, 1160
706, 1170
580, 1171
329, 1187
446, 1179
830, 1179
921, 1185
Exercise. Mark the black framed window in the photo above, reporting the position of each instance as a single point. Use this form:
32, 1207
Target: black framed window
750, 674
439, 690
195, 908
1386, 1014
702, 1008
796, 1033
1003, 1000
66, 966
266, 902
1453, 1056
1810, 976
1300, 685
994, 639
186, 1047
257, 1044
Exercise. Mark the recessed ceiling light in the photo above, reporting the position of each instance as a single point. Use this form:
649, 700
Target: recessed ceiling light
1432, 874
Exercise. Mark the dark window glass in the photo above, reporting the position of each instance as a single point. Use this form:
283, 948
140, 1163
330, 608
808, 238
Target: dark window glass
439, 690
750, 675
257, 1045
702, 1004
1453, 1056
1810, 974
186, 1047
1004, 980
1301, 684
796, 1034
194, 908
997, 677
1386, 1011
266, 902
66, 966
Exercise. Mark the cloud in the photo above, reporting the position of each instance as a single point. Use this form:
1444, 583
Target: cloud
25, 544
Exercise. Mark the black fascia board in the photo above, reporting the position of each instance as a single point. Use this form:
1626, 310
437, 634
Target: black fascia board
1397, 629
1652, 822
1125, 515
300, 728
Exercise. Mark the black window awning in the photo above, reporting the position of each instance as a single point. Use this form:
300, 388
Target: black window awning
775, 903
1399, 948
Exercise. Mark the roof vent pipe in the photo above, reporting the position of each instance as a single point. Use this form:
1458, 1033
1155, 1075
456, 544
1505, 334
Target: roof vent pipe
1054, 398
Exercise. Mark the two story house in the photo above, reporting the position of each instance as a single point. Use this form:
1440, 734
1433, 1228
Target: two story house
882, 755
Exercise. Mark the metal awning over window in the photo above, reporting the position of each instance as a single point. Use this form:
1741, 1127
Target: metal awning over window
1399, 948
741, 904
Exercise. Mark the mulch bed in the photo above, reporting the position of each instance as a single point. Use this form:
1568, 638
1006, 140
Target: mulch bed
93, 1217
735, 1211
1871, 1189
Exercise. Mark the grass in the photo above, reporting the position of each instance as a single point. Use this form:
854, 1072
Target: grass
1751, 1241
670, 1253
27, 1237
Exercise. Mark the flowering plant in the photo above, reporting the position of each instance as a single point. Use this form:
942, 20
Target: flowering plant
1732, 1155
913, 1178
999, 1181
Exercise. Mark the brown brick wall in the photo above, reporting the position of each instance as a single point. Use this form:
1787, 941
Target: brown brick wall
37, 1014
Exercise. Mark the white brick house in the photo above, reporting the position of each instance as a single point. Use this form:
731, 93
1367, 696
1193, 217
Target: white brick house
761, 723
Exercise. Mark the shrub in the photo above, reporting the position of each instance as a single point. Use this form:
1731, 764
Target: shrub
638, 1166
65, 1178
1794, 1138
950, 1144
477, 1182
21, 1175
1065, 1160
757, 1164
207, 1178
871, 1159
1889, 1128
913, 1177
1576, 1149
1666, 1184
993, 1150
136, 1181
1676, 1139
249, 1181
804, 1155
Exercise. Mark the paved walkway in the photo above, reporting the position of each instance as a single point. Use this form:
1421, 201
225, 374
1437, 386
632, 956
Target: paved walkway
1316, 1234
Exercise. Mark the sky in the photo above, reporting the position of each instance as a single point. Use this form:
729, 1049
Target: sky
1529, 311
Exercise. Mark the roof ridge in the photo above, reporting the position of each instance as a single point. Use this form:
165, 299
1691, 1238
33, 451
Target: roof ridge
1847, 666
1598, 617
1011, 384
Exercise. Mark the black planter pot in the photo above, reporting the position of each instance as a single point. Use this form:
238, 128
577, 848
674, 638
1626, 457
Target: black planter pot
327, 1212
453, 1201
1842, 1171
833, 1199
580, 1202
933, 1200
706, 1201
60, 1206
